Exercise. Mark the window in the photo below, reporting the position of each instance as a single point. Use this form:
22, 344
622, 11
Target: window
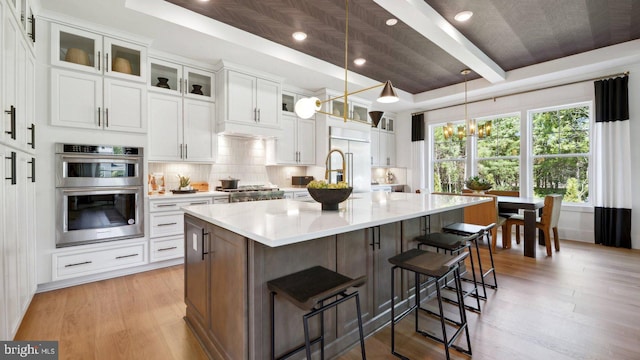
449, 161
499, 152
560, 150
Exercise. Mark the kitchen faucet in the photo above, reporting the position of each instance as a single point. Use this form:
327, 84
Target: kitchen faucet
339, 171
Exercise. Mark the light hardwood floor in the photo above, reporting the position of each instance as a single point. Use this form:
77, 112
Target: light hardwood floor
582, 303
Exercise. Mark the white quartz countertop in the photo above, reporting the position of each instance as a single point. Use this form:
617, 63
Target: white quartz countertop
170, 195
287, 221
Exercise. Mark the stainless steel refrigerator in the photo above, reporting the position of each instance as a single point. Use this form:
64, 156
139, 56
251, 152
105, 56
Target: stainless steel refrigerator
356, 146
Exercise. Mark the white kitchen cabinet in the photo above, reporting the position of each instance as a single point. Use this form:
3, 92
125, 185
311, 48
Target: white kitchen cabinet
357, 110
89, 101
80, 261
249, 104
181, 129
95, 53
17, 238
383, 148
166, 226
182, 80
296, 145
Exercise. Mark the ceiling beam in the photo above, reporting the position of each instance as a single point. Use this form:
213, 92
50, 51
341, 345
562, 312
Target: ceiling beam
426, 21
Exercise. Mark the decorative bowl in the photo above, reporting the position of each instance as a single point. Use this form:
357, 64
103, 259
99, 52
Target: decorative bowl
77, 56
330, 198
477, 183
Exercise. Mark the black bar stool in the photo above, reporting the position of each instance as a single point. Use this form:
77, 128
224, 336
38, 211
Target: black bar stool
481, 231
454, 244
308, 289
438, 267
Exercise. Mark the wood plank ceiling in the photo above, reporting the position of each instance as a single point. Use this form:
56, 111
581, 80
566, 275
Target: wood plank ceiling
513, 34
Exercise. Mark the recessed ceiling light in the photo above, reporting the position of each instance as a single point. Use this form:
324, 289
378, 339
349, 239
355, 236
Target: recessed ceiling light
391, 22
299, 35
359, 61
463, 15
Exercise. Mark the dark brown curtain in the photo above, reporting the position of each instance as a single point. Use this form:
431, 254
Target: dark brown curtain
417, 127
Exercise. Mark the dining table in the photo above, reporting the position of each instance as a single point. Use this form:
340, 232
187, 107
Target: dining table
531, 206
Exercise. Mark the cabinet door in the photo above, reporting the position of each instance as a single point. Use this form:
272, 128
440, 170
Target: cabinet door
30, 118
200, 138
165, 77
359, 112
125, 60
387, 244
268, 103
228, 292
382, 149
76, 99
391, 148
10, 78
76, 49
165, 127
306, 140
375, 147
125, 106
286, 150
354, 259
195, 267
199, 84
21, 95
241, 98
11, 235
4, 322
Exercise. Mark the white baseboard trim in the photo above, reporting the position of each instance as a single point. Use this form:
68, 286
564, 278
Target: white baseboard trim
54, 285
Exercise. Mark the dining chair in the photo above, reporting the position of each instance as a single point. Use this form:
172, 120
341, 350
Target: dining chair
547, 222
506, 214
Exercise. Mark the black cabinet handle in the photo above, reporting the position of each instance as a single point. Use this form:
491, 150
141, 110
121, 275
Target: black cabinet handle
32, 128
125, 256
99, 113
32, 34
186, 151
99, 60
13, 168
166, 205
168, 224
33, 170
204, 252
12, 112
199, 203
106, 117
106, 62
77, 264
169, 248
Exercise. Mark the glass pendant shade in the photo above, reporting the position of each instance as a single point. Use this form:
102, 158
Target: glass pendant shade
305, 108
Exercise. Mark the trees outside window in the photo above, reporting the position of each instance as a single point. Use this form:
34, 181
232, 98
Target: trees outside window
448, 159
498, 155
561, 152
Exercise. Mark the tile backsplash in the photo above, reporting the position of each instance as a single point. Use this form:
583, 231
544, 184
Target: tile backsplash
239, 158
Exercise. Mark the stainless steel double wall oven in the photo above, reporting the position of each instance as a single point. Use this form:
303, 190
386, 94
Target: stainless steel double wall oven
99, 193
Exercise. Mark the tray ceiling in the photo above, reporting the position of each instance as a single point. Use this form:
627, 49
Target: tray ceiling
502, 34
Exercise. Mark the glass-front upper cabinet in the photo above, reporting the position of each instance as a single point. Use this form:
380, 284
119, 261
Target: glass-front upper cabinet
177, 79
359, 112
289, 103
91, 52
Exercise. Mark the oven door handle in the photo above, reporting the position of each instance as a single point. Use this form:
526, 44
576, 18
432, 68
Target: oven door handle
101, 158
101, 189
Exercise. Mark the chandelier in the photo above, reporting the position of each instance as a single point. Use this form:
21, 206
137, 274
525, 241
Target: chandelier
471, 125
307, 107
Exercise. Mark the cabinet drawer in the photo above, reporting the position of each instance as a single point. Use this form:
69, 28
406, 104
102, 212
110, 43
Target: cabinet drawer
173, 205
98, 260
165, 224
166, 248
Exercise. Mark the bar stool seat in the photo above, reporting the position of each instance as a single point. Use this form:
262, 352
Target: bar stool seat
308, 290
455, 244
466, 229
438, 267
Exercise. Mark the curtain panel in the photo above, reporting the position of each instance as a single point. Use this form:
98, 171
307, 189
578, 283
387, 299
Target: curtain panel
612, 163
418, 179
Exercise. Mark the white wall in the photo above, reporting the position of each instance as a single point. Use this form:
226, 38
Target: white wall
576, 222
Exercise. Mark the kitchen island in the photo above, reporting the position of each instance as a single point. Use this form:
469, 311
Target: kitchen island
232, 250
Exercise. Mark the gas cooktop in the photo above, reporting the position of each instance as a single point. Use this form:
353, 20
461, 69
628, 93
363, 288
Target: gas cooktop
247, 188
